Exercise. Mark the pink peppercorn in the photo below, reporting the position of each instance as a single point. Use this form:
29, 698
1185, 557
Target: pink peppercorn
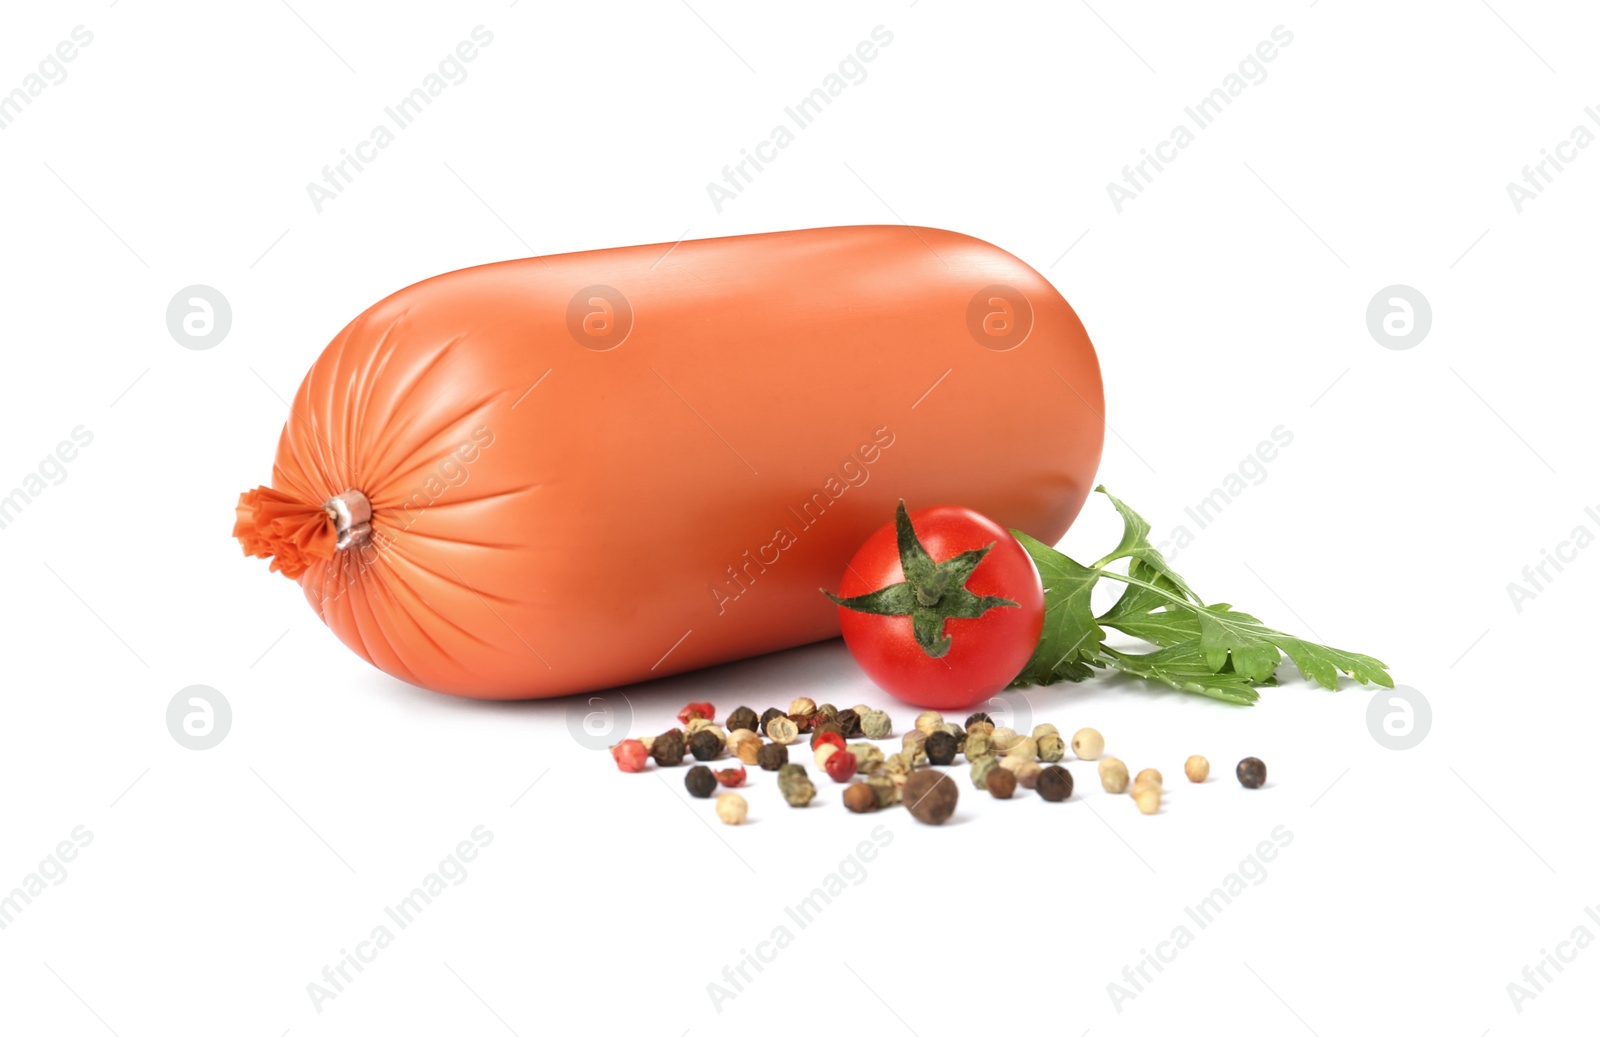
630, 754
732, 777
702, 710
841, 766
823, 738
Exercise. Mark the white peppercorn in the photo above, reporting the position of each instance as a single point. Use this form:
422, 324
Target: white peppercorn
1113, 775
1088, 744
732, 809
930, 721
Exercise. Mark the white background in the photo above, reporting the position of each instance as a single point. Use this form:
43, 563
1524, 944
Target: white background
1228, 299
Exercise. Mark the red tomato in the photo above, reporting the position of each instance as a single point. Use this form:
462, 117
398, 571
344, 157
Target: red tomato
941, 608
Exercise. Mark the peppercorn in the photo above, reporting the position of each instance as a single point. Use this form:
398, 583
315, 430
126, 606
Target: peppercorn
795, 785
630, 755
782, 730
802, 706
841, 766
700, 781
1000, 782
1113, 774
1088, 744
667, 748
1024, 748
1003, 738
822, 752
1042, 730
1148, 799
981, 725
1028, 774
979, 717
769, 716
981, 766
884, 788
875, 724
744, 743
913, 739
931, 796
705, 745
977, 744
742, 719
941, 748
772, 756
900, 764
821, 728
803, 722
859, 798
647, 741
849, 722
1054, 783
823, 738
1052, 749
703, 710
929, 721
1196, 768
696, 725
730, 777
1252, 772
732, 809
1148, 776
868, 756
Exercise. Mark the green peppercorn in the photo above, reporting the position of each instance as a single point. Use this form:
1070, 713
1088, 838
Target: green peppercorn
931, 796
743, 719
795, 785
1052, 748
875, 724
929, 721
667, 748
884, 788
981, 766
1054, 783
828, 709
941, 748
1252, 773
772, 756
1000, 782
978, 744
700, 781
705, 745
822, 728
868, 756
859, 798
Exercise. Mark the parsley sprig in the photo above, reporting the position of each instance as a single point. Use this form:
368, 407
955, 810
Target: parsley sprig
1209, 650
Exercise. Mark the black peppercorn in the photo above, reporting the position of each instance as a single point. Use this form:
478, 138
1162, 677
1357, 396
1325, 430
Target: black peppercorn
802, 721
930, 796
941, 748
768, 716
1252, 772
700, 781
978, 718
705, 745
772, 756
743, 718
667, 749
849, 722
1054, 783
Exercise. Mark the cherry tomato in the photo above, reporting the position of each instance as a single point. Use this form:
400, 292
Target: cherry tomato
941, 608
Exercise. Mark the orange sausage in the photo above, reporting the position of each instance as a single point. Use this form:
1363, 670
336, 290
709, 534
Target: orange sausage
597, 468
